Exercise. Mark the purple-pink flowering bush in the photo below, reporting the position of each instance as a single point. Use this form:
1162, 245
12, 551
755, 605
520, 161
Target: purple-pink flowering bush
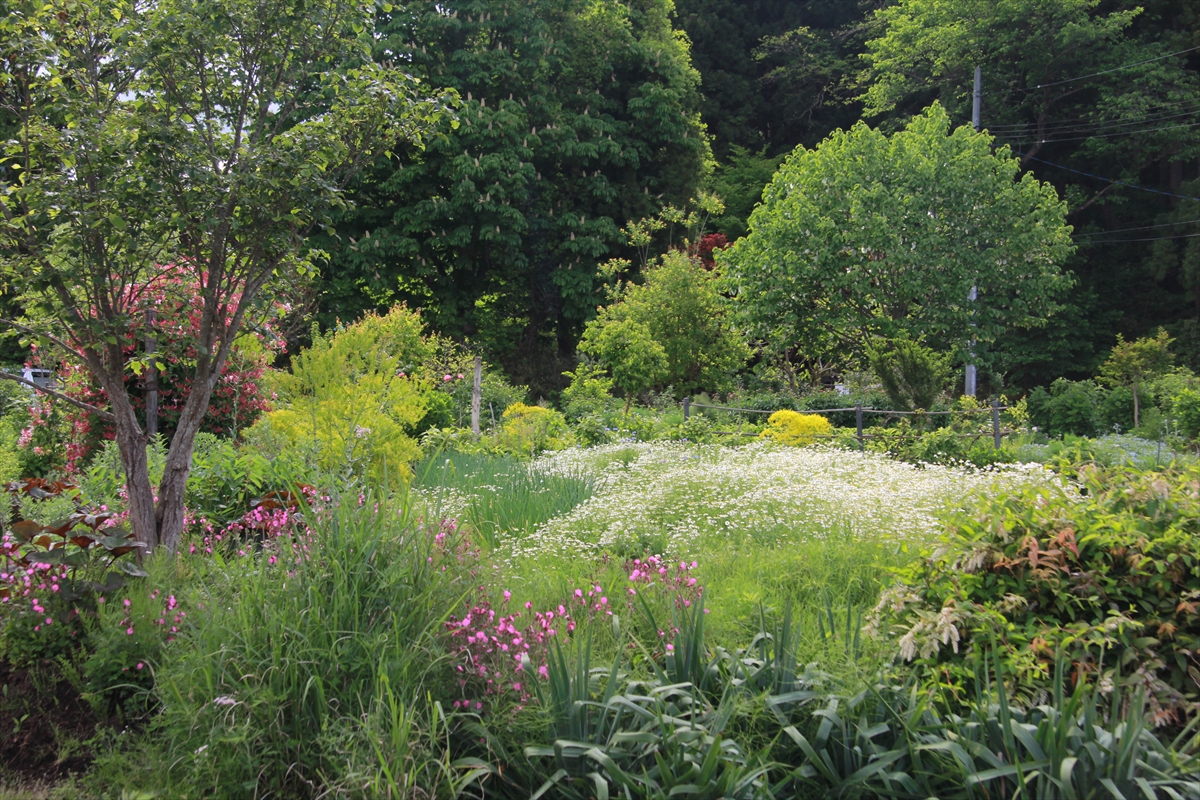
502, 651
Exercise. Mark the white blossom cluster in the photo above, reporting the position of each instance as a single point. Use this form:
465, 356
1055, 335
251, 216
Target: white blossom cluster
683, 499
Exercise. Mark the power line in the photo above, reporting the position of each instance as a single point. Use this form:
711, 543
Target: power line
1148, 239
1108, 180
1159, 108
1140, 228
1103, 135
1059, 127
1117, 69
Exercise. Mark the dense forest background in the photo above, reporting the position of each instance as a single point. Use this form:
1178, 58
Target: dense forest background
579, 116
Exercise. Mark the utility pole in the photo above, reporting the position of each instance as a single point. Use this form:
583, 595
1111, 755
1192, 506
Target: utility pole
969, 381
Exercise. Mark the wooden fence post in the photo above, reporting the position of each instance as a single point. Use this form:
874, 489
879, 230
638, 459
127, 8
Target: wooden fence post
858, 423
687, 407
476, 396
996, 421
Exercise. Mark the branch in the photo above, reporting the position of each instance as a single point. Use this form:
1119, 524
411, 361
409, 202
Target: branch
32, 331
104, 415
1095, 197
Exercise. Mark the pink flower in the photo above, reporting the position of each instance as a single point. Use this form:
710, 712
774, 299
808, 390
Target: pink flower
445, 377
129, 631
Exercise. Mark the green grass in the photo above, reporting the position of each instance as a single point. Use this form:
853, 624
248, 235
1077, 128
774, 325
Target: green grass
304, 675
498, 497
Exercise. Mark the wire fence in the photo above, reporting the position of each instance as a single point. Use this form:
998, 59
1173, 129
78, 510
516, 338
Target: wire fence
860, 412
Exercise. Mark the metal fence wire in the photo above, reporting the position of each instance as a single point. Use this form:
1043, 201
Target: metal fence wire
859, 411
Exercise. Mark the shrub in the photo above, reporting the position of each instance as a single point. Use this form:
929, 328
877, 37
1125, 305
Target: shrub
914, 376
1185, 408
1115, 411
792, 428
1067, 407
350, 402
588, 392
528, 430
1114, 569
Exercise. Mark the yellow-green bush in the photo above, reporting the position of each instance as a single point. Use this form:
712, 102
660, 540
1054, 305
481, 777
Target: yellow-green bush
793, 428
349, 402
528, 430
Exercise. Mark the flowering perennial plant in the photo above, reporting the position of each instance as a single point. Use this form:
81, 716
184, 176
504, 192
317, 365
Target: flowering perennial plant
236, 400
502, 650
684, 499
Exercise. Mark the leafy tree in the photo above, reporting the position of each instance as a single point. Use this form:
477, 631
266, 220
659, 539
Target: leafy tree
873, 235
1031, 52
914, 376
773, 74
739, 182
1138, 362
637, 362
681, 307
1079, 89
211, 135
577, 115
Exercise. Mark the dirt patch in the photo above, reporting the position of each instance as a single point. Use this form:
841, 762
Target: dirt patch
44, 723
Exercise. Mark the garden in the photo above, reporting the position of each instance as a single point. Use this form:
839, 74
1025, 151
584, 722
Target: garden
366, 434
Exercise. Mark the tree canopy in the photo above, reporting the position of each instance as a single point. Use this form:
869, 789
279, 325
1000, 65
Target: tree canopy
207, 136
678, 310
576, 116
875, 235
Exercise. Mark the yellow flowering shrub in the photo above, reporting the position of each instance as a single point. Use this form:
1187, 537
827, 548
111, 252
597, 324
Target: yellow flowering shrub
350, 403
793, 428
528, 430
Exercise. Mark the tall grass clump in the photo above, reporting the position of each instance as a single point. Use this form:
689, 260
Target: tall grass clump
308, 674
498, 496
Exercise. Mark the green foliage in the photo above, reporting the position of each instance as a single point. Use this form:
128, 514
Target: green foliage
1108, 579
914, 376
575, 116
588, 392
875, 235
1068, 407
449, 366
1185, 407
740, 182
892, 741
117, 175
349, 403
1032, 56
505, 496
629, 350
792, 428
294, 673
677, 311
528, 430
1135, 363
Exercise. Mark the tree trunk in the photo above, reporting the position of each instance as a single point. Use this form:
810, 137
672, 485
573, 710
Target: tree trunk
158, 522
179, 458
131, 442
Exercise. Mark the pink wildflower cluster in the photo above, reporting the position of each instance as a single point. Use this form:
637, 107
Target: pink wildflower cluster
493, 646
673, 580
171, 615
28, 586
